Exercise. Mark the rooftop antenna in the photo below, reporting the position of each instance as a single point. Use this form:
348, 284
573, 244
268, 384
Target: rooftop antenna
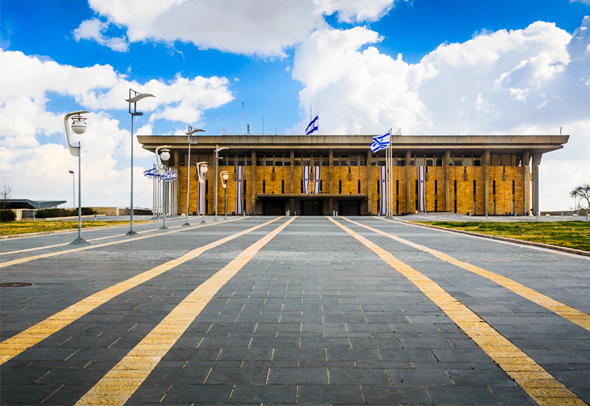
224, 132
242, 118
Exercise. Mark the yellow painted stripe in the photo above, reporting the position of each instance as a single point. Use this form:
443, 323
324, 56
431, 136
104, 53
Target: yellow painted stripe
565, 311
117, 386
106, 244
24, 340
538, 383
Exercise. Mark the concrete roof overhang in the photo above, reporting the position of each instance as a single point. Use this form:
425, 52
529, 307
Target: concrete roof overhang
418, 144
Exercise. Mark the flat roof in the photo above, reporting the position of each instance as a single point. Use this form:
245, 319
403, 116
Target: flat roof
314, 143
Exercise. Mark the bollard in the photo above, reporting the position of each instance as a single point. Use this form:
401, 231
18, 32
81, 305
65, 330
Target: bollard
486, 215
95, 217
437, 215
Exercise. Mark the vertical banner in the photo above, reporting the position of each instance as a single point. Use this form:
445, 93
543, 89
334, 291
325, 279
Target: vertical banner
239, 190
201, 197
306, 173
383, 184
422, 189
317, 179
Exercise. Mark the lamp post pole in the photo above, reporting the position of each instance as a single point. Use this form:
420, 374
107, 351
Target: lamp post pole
79, 127
201, 185
224, 177
134, 97
73, 189
217, 149
189, 133
162, 157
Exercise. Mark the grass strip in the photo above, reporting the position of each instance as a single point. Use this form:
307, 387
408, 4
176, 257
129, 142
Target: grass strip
26, 227
569, 234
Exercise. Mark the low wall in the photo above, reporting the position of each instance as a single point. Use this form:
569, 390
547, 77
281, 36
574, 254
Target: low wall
125, 212
581, 212
107, 211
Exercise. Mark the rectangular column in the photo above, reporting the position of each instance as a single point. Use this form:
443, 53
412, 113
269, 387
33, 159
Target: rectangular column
526, 182
447, 162
536, 162
253, 183
369, 182
408, 182
486, 181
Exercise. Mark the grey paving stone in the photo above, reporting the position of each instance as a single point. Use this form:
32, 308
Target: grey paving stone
316, 376
332, 394
264, 394
472, 395
396, 394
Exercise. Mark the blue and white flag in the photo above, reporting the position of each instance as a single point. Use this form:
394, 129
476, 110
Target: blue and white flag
313, 126
421, 189
240, 190
317, 180
170, 175
306, 173
383, 183
380, 142
150, 173
201, 202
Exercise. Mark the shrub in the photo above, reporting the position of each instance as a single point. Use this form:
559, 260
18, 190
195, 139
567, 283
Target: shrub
50, 213
7, 215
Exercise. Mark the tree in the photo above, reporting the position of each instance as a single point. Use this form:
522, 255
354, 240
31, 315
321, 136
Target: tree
583, 192
5, 194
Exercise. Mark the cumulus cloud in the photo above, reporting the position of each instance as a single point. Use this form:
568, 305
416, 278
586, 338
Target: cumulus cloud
529, 81
93, 30
31, 153
248, 27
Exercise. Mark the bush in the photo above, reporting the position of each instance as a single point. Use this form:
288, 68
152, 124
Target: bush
7, 215
50, 213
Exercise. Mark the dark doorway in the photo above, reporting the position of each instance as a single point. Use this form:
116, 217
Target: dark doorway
350, 208
273, 207
311, 207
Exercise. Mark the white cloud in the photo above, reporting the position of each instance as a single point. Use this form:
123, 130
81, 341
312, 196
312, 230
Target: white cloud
529, 81
36, 164
261, 27
93, 30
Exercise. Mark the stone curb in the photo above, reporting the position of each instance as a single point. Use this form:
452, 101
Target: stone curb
512, 240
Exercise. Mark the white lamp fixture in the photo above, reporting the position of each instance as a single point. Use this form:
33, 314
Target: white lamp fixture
163, 155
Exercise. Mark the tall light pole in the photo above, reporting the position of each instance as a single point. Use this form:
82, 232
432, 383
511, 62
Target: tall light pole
217, 149
79, 127
201, 183
189, 133
134, 97
162, 157
224, 177
73, 189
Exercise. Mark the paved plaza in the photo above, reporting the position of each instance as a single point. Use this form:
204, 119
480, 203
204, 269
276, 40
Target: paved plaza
292, 310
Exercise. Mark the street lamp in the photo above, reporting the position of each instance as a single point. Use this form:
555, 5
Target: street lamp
73, 189
202, 182
162, 157
79, 127
189, 133
134, 97
217, 149
224, 177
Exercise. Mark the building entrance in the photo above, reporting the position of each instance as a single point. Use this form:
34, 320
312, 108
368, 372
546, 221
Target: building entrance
311, 207
273, 207
350, 208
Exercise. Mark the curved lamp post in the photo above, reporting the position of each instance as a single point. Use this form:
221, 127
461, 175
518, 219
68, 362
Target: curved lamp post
217, 149
134, 97
224, 176
163, 155
202, 182
79, 127
189, 133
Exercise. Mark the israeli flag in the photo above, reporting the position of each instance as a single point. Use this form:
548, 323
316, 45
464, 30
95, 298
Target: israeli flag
317, 179
306, 174
170, 175
150, 173
422, 189
312, 126
380, 142
240, 190
383, 181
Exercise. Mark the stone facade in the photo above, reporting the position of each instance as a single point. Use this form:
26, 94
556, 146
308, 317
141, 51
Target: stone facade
464, 174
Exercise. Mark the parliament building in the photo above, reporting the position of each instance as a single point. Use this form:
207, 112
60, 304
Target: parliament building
319, 174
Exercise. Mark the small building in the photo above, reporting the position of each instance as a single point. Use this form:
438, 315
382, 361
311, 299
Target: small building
480, 175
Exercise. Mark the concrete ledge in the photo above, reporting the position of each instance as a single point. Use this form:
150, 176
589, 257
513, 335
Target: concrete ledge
69, 230
512, 240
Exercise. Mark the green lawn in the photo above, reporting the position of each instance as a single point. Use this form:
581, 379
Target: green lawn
570, 234
25, 227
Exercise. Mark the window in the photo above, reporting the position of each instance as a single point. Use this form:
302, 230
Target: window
513, 187
325, 161
401, 162
316, 161
354, 160
344, 160
378, 188
339, 187
306, 160
268, 160
493, 187
436, 187
374, 161
259, 161
362, 160
359, 184
429, 162
336, 161
241, 160
476, 161
283, 187
419, 161
231, 160
263, 186
301, 185
439, 161
397, 187
457, 162
279, 160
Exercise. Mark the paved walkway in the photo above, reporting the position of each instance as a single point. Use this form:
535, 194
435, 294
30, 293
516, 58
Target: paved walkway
300, 310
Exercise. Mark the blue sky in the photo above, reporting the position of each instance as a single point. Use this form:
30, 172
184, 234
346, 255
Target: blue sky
466, 67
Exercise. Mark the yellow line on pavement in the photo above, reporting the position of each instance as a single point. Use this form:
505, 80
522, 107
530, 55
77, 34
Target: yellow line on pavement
538, 383
565, 311
24, 340
117, 386
106, 244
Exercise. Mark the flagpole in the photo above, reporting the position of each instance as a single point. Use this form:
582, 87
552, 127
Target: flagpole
390, 197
